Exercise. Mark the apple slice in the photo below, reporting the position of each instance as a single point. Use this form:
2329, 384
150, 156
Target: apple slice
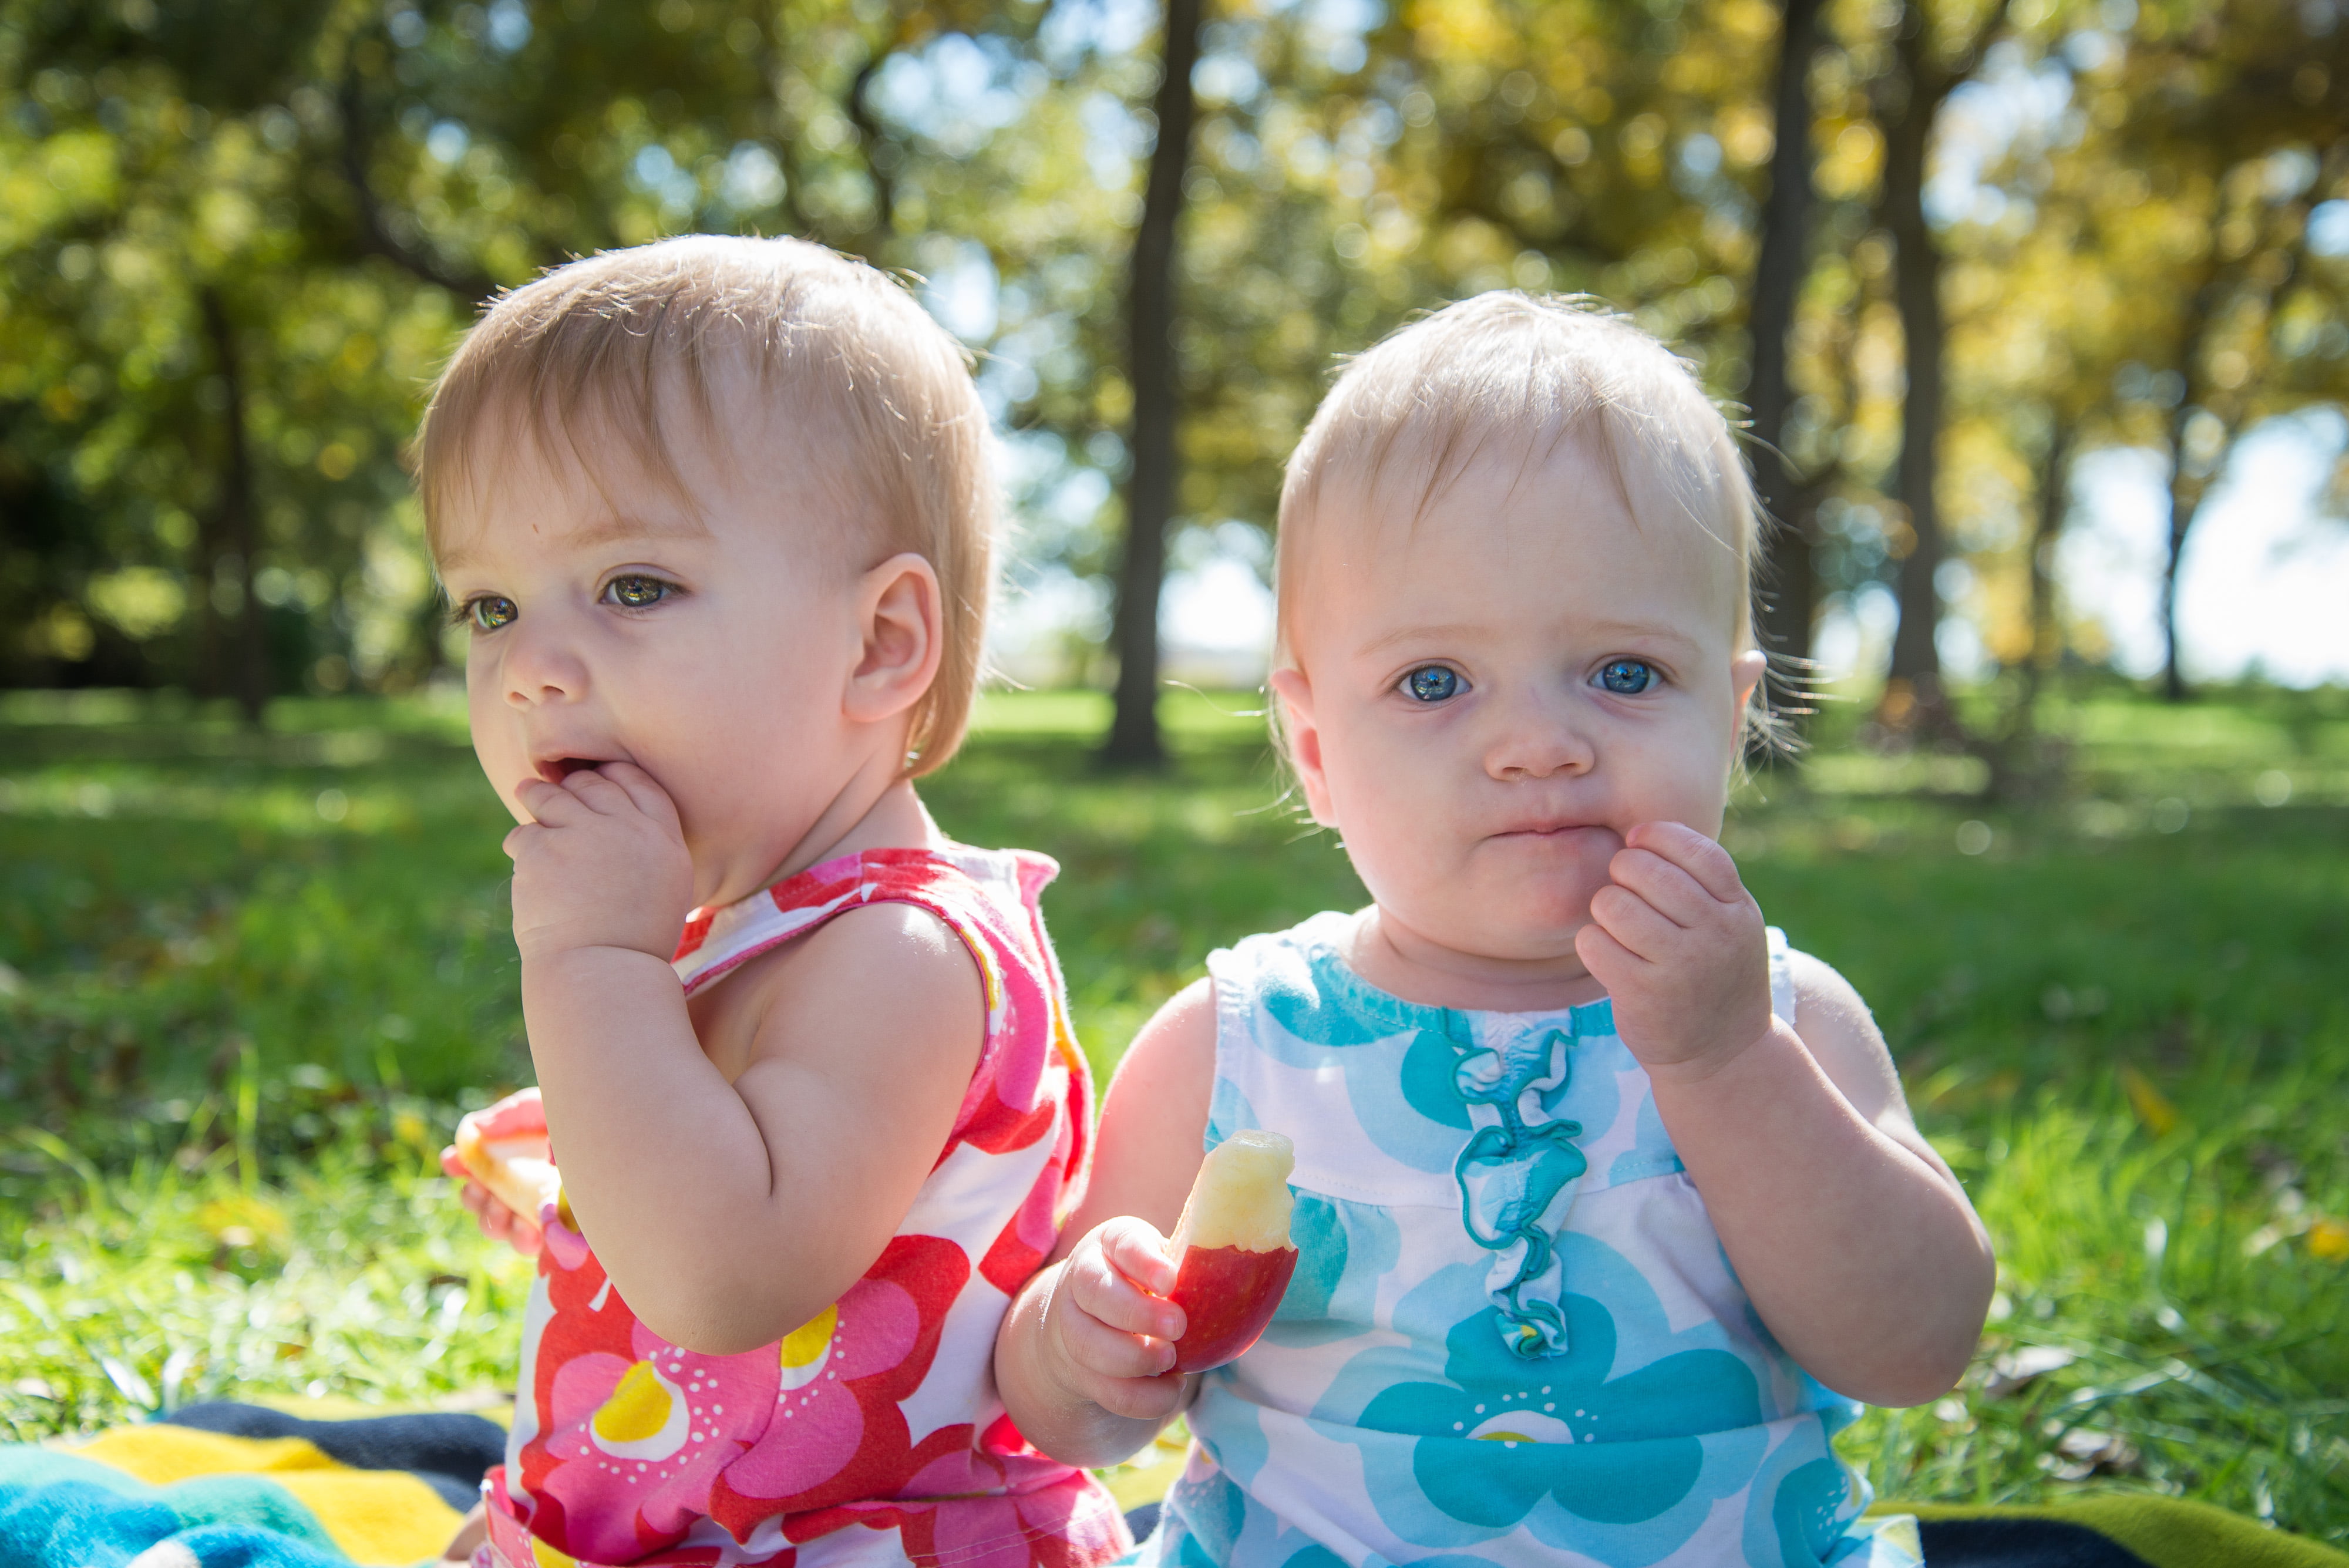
514, 1167
1231, 1249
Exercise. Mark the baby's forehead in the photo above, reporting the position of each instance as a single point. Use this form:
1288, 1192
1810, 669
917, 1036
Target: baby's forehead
657, 465
1533, 498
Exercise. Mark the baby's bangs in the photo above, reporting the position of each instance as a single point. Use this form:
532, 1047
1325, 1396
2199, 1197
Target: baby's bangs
1508, 377
603, 382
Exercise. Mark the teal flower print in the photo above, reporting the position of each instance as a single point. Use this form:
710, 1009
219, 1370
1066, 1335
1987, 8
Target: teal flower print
1502, 1434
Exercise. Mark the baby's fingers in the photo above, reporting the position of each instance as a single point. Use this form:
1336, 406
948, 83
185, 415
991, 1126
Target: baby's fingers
1702, 859
649, 796
1135, 1249
520, 1234
1615, 966
1099, 1284
1633, 921
551, 805
500, 1223
597, 790
1141, 1398
1106, 1351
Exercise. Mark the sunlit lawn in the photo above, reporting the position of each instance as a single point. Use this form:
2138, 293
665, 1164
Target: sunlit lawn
249, 980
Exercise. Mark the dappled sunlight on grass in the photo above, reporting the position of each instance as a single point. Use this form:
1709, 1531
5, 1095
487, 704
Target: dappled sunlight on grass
251, 979
171, 1279
2164, 1319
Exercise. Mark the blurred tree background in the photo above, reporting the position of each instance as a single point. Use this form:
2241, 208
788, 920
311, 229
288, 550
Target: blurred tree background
239, 236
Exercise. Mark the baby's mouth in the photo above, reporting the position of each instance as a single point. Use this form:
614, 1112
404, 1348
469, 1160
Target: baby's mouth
554, 770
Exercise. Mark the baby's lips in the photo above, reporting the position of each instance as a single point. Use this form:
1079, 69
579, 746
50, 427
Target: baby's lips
554, 770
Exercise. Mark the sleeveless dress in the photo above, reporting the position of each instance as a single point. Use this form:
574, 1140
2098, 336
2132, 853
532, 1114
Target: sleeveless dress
874, 1433
1513, 1336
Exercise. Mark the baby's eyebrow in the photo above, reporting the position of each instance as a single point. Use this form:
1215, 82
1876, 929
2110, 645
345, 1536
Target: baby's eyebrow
610, 530
1420, 633
604, 530
1603, 629
1644, 631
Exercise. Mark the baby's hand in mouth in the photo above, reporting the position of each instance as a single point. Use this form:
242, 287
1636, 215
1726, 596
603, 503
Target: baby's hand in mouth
1680, 945
602, 863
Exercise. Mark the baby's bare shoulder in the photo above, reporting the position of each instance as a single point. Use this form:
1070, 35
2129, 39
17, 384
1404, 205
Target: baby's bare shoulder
1842, 1036
892, 978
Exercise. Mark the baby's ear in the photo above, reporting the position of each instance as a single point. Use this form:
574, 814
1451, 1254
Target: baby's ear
1301, 740
901, 622
1745, 673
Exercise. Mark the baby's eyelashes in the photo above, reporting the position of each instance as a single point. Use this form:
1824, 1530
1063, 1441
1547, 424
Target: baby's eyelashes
637, 591
484, 612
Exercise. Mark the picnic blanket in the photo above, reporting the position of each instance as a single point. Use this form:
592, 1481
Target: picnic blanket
238, 1486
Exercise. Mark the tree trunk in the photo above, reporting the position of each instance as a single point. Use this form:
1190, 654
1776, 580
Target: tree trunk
2024, 766
1150, 486
2047, 527
2185, 501
2187, 491
1791, 600
233, 529
1917, 291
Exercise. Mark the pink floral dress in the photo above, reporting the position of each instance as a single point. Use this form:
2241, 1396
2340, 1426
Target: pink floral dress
873, 1434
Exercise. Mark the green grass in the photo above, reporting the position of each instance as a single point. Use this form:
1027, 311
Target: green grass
247, 980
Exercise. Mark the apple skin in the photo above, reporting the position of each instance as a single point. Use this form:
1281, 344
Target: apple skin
1227, 1295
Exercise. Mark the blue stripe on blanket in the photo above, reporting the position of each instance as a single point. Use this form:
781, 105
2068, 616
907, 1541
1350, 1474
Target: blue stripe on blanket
59, 1512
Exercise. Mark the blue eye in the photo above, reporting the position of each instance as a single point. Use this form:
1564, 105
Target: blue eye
1625, 677
1432, 683
636, 593
490, 612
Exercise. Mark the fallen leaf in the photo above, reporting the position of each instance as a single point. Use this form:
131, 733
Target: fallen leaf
2020, 1366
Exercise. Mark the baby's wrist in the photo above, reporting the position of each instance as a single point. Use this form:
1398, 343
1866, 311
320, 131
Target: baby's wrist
1721, 1057
556, 941
585, 959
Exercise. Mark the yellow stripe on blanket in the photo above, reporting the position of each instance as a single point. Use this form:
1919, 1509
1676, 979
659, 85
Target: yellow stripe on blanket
375, 1516
159, 1453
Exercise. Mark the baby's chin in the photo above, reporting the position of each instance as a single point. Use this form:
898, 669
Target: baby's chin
1512, 926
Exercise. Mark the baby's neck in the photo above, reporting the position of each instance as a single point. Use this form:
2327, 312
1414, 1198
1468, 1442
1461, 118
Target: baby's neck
884, 814
1419, 969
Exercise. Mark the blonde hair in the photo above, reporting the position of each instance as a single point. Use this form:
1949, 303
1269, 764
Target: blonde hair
892, 424
1508, 375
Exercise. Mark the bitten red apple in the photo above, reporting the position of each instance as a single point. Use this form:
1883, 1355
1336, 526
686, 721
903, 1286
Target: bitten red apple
505, 1149
1231, 1249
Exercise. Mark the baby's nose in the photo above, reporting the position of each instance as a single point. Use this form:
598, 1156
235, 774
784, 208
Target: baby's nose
541, 669
1539, 746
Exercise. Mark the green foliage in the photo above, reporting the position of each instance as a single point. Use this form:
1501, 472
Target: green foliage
349, 179
251, 979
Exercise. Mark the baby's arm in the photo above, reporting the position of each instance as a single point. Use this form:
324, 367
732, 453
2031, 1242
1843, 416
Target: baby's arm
1854, 1239
728, 1213
1084, 1357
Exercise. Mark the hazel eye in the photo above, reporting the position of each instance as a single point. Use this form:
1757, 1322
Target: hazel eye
490, 612
1625, 677
1432, 683
638, 593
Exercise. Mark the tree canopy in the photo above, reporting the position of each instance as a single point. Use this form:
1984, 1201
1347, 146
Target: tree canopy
239, 236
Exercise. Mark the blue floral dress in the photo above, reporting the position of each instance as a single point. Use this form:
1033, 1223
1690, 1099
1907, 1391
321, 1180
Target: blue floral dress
1512, 1335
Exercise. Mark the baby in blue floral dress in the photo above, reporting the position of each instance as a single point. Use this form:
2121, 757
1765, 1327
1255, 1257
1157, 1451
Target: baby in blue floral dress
1608, 1207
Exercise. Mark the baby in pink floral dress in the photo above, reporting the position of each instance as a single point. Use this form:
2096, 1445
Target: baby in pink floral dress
717, 515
